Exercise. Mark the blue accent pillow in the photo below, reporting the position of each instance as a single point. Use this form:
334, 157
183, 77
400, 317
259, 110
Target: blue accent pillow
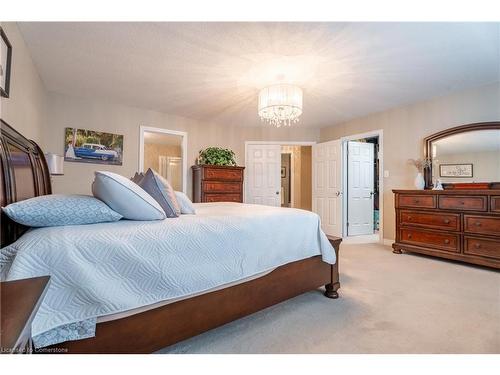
58, 209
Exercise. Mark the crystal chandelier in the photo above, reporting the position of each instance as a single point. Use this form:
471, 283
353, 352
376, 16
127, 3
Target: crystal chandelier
280, 105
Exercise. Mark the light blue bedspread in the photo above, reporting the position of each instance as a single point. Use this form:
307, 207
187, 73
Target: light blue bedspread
107, 268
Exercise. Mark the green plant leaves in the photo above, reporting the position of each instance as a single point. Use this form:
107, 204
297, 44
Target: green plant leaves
217, 156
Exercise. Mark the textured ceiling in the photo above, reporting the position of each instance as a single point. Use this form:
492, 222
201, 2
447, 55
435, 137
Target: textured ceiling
212, 71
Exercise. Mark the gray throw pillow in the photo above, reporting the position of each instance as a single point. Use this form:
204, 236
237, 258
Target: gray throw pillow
161, 190
137, 177
126, 197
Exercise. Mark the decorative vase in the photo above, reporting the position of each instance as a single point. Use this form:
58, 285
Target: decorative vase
419, 181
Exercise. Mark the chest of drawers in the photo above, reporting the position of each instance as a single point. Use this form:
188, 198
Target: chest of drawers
212, 183
459, 225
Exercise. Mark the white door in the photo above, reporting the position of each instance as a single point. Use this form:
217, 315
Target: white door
327, 185
360, 188
263, 174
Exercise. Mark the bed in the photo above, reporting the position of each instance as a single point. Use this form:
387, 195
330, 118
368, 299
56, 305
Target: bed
181, 276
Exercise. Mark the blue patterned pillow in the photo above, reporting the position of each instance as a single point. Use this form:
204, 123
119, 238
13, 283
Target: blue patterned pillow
57, 209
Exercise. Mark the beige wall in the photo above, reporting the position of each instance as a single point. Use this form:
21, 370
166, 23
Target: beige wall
302, 175
405, 128
66, 111
306, 178
25, 109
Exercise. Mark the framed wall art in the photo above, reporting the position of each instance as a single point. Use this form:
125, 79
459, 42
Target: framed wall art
89, 146
5, 64
456, 170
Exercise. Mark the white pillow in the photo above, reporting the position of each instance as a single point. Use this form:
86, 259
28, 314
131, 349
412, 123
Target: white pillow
126, 197
185, 203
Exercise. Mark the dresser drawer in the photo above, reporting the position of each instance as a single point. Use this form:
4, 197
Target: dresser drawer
221, 187
223, 198
463, 203
223, 174
482, 247
438, 240
417, 201
495, 203
482, 224
431, 220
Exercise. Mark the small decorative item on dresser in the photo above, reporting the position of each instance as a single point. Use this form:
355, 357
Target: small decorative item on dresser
20, 300
421, 165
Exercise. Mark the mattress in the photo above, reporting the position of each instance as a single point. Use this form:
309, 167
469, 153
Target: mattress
110, 268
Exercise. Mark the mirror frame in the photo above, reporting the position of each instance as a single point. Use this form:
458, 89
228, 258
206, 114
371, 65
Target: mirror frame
446, 133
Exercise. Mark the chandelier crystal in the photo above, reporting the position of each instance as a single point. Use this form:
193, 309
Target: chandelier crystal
280, 105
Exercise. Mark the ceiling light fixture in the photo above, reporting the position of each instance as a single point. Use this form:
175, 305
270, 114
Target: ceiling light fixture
280, 105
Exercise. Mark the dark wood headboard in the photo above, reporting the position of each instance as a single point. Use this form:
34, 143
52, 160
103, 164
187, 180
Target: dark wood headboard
24, 175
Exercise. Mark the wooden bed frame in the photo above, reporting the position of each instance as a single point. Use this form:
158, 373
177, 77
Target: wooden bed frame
24, 174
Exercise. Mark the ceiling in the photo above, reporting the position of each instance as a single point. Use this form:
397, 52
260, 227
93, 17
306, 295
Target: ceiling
213, 71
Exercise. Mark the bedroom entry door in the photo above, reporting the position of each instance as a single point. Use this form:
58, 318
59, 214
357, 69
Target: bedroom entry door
327, 185
360, 188
263, 171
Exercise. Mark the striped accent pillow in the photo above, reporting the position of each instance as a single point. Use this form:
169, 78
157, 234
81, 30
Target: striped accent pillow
162, 192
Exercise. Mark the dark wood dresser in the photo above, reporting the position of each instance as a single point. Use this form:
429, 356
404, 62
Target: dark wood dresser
213, 183
462, 225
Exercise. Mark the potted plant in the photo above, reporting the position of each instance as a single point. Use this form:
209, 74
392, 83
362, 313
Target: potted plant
217, 156
420, 165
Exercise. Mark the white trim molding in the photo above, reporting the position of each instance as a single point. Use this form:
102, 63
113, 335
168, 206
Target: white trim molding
184, 135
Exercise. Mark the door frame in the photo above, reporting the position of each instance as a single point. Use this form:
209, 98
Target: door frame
281, 143
184, 135
373, 133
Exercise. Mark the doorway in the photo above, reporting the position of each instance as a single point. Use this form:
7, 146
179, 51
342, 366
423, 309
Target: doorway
164, 151
362, 184
279, 174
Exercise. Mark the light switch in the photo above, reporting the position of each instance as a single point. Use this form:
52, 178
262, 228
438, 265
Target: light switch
386, 174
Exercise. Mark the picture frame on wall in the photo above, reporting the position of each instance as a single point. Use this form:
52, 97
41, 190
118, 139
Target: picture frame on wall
5, 64
90, 146
456, 170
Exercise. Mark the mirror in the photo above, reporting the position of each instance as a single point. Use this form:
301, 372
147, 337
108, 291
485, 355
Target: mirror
163, 153
465, 154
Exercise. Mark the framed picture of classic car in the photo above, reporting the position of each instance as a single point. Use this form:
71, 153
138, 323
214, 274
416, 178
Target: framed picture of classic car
89, 146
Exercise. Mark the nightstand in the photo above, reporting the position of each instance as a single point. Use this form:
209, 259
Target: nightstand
20, 300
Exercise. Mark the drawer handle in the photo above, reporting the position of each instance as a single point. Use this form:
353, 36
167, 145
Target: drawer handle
447, 221
477, 223
447, 241
462, 203
477, 245
409, 235
409, 218
416, 200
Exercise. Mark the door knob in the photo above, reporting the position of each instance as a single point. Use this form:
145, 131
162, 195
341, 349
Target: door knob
277, 193
338, 193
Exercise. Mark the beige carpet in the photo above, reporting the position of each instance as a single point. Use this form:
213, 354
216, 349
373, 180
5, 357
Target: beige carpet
388, 304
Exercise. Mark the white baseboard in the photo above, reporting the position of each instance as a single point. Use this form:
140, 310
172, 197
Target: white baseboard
388, 241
